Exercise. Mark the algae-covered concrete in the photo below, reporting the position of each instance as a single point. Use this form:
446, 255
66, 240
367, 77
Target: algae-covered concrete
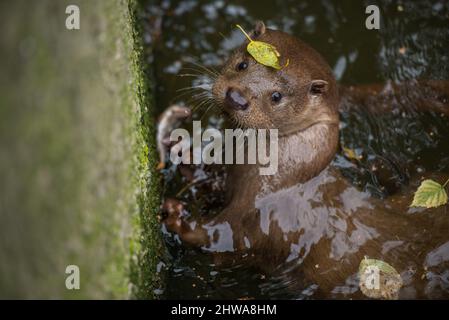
77, 185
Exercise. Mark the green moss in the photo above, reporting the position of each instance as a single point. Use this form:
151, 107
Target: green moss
143, 267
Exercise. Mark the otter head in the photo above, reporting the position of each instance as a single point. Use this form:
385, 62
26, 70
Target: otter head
292, 99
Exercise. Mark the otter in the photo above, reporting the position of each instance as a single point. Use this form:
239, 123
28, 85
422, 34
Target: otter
308, 220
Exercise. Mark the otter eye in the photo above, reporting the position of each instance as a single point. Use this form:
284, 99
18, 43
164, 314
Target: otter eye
242, 66
276, 96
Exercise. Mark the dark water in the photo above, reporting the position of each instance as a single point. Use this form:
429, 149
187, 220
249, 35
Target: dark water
411, 44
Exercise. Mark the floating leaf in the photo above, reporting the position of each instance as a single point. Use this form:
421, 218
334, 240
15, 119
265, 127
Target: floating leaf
351, 154
264, 53
381, 265
430, 194
379, 280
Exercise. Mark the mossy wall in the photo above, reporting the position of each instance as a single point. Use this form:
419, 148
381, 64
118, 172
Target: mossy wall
77, 184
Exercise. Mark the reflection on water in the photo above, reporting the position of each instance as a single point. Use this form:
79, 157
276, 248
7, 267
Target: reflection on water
394, 149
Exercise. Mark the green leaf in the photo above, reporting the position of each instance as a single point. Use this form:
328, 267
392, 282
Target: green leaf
379, 280
264, 53
381, 265
430, 194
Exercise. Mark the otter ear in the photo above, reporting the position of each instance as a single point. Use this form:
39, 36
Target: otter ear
259, 29
318, 87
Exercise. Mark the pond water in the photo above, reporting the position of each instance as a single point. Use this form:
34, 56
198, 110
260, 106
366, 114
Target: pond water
411, 44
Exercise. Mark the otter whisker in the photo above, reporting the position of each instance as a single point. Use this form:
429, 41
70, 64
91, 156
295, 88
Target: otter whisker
193, 75
210, 70
203, 94
198, 100
208, 108
202, 103
207, 104
199, 87
187, 92
199, 73
196, 90
204, 99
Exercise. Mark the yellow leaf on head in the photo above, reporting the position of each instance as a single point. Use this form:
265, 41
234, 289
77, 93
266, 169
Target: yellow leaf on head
264, 53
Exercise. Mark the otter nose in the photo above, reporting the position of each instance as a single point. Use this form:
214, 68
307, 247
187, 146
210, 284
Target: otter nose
236, 99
